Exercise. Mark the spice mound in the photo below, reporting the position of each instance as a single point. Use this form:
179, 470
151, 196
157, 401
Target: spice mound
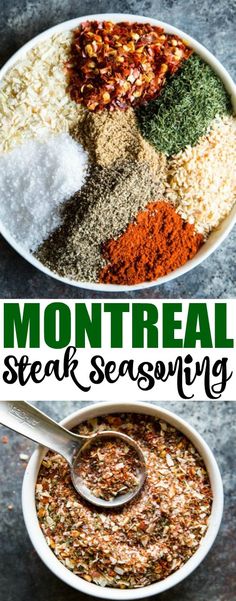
33, 94
202, 179
185, 108
147, 539
158, 242
32, 190
117, 65
110, 137
110, 199
109, 469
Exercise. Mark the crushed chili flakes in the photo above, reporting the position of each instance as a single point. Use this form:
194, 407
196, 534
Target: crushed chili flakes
117, 65
109, 468
145, 540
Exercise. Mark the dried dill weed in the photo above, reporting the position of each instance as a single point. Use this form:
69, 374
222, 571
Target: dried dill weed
150, 537
33, 94
109, 200
109, 468
184, 109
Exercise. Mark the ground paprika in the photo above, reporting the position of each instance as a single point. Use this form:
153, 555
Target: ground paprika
157, 243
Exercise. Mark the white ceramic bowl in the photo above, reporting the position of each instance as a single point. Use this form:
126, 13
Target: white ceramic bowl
216, 237
48, 557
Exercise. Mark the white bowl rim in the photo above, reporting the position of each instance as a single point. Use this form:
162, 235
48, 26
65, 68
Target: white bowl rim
216, 238
47, 555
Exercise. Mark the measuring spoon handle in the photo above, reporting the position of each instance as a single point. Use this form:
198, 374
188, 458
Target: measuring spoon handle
34, 424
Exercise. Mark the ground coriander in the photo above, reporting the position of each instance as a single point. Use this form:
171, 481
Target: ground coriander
112, 136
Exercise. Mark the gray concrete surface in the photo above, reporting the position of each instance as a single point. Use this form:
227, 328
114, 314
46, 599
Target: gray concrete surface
212, 23
23, 577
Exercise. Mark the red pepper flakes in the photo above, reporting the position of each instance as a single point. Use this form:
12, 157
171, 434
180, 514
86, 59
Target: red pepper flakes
117, 65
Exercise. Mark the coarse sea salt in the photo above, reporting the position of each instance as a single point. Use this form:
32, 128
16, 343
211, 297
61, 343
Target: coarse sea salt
35, 178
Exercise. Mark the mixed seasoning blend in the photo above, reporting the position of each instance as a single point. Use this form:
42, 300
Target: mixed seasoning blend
150, 537
109, 469
132, 142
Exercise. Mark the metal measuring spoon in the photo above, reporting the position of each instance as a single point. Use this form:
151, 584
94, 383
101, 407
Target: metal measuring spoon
36, 425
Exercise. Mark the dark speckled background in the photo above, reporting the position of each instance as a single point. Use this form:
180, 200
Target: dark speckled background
212, 23
23, 576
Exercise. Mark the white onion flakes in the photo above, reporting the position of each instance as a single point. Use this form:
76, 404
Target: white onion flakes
33, 94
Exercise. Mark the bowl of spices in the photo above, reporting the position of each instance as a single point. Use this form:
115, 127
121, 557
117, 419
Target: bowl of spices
150, 544
130, 126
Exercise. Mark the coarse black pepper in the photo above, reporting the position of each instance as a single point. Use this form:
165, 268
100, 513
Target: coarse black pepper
109, 200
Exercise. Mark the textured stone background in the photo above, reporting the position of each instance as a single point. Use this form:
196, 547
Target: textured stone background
24, 577
212, 23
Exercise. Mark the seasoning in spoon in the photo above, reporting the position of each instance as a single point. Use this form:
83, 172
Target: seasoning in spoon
109, 468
